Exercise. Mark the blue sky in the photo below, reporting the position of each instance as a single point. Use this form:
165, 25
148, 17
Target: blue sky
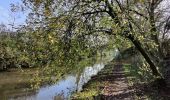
6, 16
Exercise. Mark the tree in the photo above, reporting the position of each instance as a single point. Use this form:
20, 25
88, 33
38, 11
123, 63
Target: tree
138, 21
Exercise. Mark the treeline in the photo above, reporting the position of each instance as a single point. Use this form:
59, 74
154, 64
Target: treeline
60, 32
30, 49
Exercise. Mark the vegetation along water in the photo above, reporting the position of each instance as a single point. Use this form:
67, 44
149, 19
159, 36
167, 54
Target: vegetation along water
85, 49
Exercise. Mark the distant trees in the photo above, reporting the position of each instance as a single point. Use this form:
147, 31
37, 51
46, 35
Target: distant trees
7, 48
3, 27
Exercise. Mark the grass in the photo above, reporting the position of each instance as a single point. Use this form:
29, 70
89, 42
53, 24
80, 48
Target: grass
140, 77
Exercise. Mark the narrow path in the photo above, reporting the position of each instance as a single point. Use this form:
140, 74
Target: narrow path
116, 85
112, 83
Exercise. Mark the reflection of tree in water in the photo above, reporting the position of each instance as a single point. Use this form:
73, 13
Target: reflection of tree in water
84, 75
87, 73
80, 70
59, 96
79, 75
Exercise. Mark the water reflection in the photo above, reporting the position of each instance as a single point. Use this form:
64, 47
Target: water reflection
64, 88
88, 72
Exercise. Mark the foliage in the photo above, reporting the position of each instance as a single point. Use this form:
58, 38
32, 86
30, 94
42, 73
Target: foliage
8, 52
59, 33
126, 23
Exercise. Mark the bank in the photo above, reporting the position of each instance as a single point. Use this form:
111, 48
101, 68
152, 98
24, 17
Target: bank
123, 79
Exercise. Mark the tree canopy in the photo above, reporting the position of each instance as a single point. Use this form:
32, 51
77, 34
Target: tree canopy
142, 23
59, 33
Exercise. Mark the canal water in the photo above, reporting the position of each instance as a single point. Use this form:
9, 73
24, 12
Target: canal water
70, 83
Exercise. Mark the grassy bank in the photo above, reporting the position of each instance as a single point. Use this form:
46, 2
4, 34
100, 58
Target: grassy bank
95, 86
141, 84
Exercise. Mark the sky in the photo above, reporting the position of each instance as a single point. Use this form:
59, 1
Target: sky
7, 17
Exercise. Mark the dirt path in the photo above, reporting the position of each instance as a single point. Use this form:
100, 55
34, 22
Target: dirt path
113, 83
116, 87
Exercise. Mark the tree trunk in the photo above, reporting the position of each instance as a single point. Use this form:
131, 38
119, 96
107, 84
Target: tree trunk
126, 34
166, 70
166, 65
144, 54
